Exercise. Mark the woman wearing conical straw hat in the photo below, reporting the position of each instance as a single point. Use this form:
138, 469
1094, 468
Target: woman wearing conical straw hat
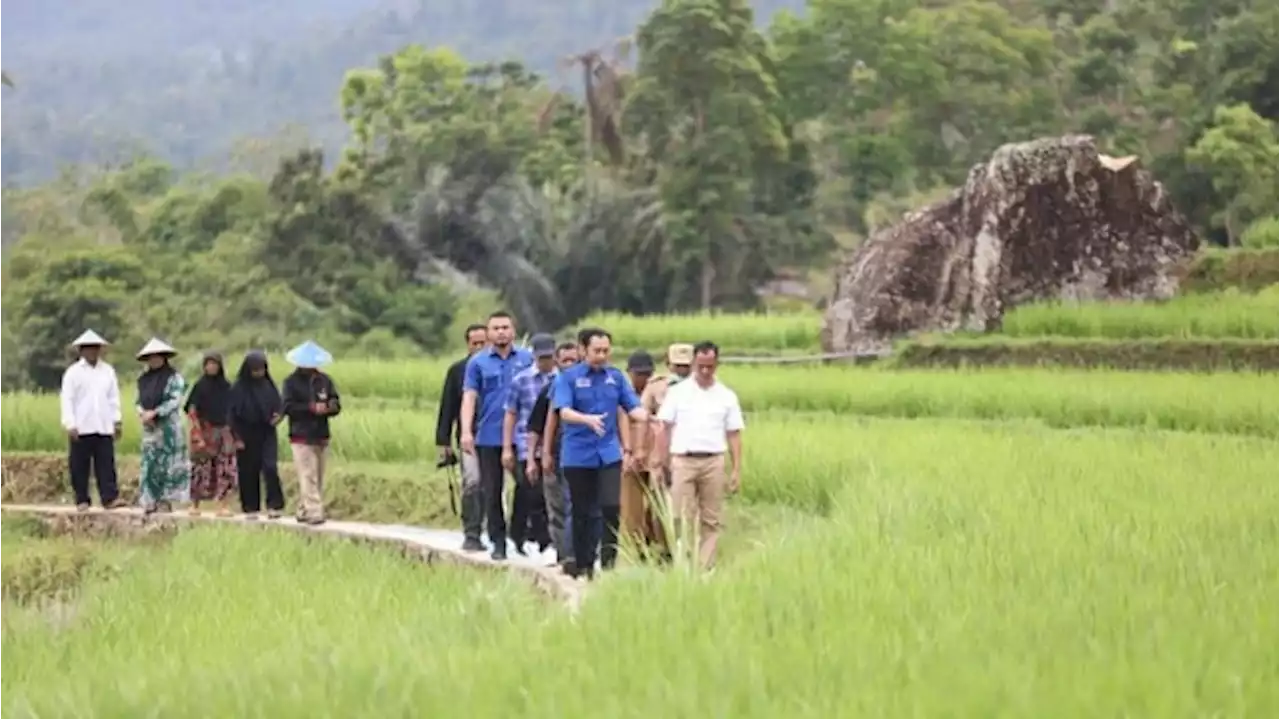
166, 471
310, 399
90, 400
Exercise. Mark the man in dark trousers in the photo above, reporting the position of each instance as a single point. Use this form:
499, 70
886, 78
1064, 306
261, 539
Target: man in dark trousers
449, 433
90, 403
544, 463
485, 384
587, 397
528, 510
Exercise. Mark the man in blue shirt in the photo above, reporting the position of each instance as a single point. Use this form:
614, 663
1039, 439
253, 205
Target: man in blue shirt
587, 397
528, 511
485, 384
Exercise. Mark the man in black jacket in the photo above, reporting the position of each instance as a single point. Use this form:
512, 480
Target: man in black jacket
448, 434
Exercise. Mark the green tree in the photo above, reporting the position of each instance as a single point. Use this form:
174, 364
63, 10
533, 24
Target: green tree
706, 104
1239, 153
49, 298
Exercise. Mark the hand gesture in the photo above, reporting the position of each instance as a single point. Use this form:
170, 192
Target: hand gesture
508, 459
117, 431
628, 462
468, 443
596, 423
275, 419
548, 465
531, 470
148, 415
445, 453
320, 408
74, 434
735, 480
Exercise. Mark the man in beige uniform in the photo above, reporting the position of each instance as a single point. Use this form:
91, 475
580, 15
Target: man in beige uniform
701, 421
649, 477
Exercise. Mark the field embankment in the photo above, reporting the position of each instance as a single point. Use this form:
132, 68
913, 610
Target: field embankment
1148, 355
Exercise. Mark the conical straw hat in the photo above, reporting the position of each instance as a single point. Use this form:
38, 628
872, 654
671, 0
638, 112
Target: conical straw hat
308, 355
90, 339
156, 346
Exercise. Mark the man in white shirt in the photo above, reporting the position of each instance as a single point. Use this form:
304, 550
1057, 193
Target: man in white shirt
91, 419
701, 420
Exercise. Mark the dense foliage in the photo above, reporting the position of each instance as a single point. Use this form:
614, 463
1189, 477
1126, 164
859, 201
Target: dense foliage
681, 169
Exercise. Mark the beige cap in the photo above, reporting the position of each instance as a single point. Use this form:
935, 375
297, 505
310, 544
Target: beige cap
680, 354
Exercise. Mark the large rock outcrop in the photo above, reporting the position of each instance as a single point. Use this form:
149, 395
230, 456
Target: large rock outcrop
1046, 220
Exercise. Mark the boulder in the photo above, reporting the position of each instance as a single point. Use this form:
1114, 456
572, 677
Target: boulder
1051, 219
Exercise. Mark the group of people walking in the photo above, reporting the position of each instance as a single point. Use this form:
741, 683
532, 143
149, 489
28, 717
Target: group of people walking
595, 454
229, 441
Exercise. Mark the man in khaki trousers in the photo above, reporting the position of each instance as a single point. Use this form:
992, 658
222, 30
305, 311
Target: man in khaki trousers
310, 401
701, 422
643, 497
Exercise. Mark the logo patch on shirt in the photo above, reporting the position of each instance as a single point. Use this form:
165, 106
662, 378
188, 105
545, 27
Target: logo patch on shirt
582, 382
609, 380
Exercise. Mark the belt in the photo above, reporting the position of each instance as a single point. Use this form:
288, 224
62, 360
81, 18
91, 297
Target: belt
699, 455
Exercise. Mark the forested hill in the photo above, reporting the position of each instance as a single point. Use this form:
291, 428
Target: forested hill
728, 149
100, 80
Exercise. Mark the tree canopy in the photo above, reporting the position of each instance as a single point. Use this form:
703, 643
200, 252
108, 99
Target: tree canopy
365, 176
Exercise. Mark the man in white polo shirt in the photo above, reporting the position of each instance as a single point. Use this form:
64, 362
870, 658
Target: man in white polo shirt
91, 418
701, 421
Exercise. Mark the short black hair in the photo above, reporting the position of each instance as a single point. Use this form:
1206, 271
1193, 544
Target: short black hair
501, 315
590, 333
474, 327
565, 347
706, 346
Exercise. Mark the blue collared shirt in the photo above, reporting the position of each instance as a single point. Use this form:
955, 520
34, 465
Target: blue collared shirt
489, 376
523, 394
592, 391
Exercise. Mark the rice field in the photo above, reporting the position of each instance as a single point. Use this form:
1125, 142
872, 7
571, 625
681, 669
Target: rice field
1213, 316
737, 334
391, 408
969, 543
945, 568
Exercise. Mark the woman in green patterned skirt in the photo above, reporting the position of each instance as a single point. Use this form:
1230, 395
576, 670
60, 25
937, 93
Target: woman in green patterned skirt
166, 471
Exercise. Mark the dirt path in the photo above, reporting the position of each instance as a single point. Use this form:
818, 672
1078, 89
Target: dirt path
427, 545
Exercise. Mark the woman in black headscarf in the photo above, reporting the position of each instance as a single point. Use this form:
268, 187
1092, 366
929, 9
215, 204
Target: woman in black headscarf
213, 443
256, 409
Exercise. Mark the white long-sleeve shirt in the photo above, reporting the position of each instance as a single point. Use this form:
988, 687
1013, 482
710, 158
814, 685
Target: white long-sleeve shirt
90, 398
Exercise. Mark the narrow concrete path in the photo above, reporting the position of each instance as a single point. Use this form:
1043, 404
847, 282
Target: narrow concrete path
427, 545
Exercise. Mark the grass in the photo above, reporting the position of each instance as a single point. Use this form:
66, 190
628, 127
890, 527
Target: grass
950, 569
738, 334
1216, 316
1007, 542
41, 570
400, 427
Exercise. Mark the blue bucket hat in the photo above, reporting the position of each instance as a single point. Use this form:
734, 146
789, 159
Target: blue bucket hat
308, 355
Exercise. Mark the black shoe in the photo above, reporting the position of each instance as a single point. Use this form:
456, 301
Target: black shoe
472, 544
569, 567
542, 545
499, 554
520, 548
